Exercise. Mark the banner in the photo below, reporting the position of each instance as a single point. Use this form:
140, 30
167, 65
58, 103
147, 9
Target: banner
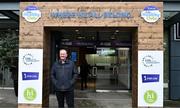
30, 76
150, 78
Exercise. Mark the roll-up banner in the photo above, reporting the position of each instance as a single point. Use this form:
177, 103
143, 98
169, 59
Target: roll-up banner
150, 78
30, 76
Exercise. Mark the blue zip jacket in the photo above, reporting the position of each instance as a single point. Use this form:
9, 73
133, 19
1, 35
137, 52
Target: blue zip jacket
63, 75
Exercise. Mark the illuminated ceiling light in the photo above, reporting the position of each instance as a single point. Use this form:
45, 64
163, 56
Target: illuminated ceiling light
81, 37
64, 39
93, 37
117, 31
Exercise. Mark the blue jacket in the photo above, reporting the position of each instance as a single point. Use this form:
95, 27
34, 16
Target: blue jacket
64, 75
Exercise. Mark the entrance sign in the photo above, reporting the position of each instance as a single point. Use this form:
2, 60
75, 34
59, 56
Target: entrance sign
55, 13
30, 76
96, 16
150, 78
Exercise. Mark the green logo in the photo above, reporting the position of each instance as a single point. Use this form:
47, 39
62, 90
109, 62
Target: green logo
30, 94
150, 96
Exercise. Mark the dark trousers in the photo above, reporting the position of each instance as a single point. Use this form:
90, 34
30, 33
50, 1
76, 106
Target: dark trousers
68, 95
83, 83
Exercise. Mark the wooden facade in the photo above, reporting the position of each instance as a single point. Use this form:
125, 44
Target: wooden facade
147, 36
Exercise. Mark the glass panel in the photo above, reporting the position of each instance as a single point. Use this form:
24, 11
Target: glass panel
5, 77
111, 68
124, 68
8, 53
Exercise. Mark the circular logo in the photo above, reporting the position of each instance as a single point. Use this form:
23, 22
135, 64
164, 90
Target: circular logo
31, 14
30, 94
147, 61
28, 59
151, 14
150, 96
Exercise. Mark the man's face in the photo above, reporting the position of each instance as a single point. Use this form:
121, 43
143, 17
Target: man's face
63, 55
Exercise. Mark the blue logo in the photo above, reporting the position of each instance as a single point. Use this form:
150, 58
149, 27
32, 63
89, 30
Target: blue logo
150, 78
151, 14
30, 75
31, 14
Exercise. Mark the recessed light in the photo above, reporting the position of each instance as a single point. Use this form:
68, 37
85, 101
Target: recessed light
117, 31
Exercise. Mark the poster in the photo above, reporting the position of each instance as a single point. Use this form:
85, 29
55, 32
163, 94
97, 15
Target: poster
30, 76
150, 78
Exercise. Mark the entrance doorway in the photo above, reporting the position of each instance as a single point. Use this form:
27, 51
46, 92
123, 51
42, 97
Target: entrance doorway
106, 50
111, 68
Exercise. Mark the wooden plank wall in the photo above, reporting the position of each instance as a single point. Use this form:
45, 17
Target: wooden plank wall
149, 35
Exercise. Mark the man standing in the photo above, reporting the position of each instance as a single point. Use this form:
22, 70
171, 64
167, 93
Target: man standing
84, 71
64, 73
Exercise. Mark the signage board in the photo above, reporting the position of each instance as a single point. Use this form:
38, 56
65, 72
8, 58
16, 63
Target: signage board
150, 78
30, 76
61, 14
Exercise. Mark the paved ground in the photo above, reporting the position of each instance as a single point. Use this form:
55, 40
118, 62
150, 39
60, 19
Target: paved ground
98, 100
84, 99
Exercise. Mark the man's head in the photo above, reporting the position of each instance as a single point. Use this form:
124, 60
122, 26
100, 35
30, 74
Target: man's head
63, 54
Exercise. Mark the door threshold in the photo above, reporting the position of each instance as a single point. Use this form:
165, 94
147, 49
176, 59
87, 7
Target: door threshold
118, 91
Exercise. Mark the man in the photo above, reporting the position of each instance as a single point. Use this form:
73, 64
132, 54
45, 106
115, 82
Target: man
84, 71
64, 73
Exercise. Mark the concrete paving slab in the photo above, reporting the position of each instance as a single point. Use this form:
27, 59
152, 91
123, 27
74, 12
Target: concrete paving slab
84, 99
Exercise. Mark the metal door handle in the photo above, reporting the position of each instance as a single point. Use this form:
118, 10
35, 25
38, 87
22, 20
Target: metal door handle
94, 71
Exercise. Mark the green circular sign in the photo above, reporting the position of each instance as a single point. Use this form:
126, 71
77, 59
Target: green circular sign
150, 96
30, 94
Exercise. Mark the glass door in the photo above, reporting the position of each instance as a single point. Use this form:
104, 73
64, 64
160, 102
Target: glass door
124, 68
110, 68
